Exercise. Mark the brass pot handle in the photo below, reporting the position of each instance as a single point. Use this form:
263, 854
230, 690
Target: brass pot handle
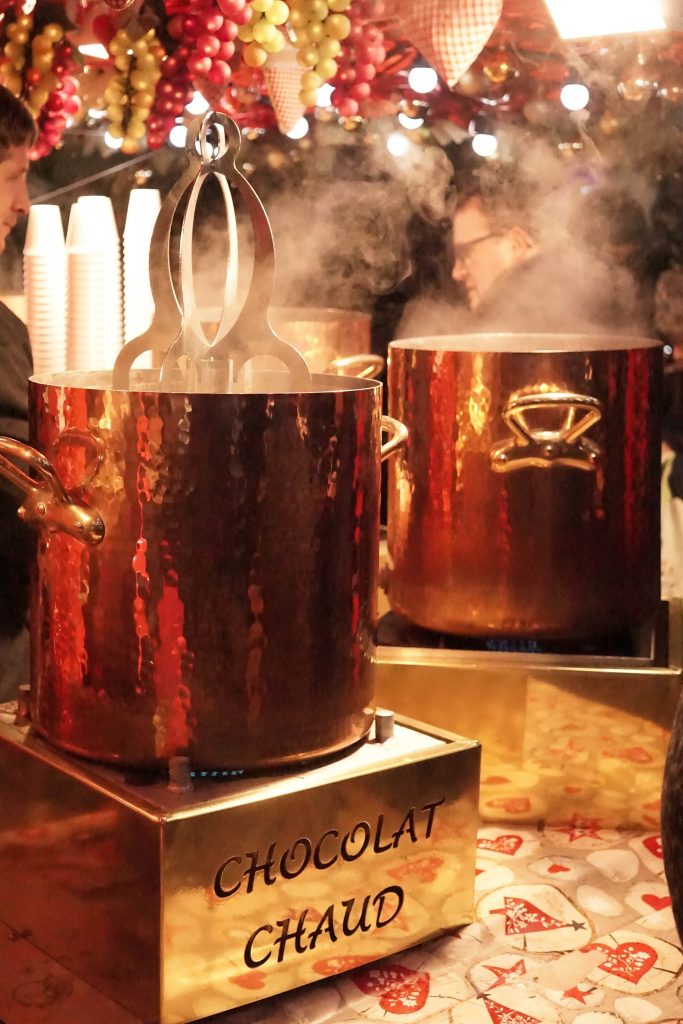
367, 365
547, 446
399, 436
48, 504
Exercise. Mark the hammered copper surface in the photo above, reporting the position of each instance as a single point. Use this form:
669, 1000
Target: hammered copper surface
229, 612
552, 551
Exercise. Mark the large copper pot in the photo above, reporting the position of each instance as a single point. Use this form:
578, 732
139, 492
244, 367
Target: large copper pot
526, 502
228, 613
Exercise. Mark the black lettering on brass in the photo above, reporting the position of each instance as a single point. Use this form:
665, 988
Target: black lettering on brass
286, 934
378, 848
325, 924
293, 872
249, 959
362, 922
381, 898
432, 811
254, 868
350, 838
218, 887
318, 862
407, 825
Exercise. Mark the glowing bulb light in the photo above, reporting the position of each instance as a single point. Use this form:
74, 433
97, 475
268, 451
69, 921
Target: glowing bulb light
111, 142
299, 130
398, 145
485, 145
197, 105
96, 50
178, 136
578, 19
423, 80
324, 95
574, 96
410, 122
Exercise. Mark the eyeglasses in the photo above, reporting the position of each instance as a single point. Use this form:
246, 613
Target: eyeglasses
464, 249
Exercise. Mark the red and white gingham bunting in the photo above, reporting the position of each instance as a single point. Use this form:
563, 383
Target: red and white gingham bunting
283, 78
450, 34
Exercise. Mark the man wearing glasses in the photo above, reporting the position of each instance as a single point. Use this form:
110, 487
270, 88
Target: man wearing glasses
516, 283
488, 242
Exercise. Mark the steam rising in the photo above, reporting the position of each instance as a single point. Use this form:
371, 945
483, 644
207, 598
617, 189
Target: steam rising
591, 230
343, 238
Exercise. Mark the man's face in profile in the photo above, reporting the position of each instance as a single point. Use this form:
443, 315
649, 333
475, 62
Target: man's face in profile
482, 253
14, 201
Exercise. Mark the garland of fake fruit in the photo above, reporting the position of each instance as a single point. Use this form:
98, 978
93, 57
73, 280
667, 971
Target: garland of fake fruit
36, 66
131, 93
215, 47
363, 52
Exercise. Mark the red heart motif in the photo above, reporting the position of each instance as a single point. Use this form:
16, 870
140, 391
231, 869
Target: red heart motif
555, 869
654, 845
657, 902
630, 960
494, 780
501, 844
638, 755
400, 989
425, 869
339, 964
511, 804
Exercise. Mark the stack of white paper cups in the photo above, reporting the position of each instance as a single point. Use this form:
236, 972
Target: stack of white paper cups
94, 285
143, 208
45, 288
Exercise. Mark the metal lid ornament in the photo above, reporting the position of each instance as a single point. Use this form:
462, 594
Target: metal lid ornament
190, 361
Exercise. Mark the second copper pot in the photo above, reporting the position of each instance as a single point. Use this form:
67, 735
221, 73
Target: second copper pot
526, 502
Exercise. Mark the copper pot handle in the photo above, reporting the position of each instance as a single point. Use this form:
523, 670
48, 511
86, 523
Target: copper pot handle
95, 445
399, 436
48, 504
367, 365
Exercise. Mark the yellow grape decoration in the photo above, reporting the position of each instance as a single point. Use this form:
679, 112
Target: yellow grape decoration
35, 65
262, 34
319, 28
131, 93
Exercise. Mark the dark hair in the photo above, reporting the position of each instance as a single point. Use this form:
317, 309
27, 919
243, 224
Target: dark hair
17, 127
505, 197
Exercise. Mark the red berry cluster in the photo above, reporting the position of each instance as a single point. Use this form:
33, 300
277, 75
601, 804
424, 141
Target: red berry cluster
173, 93
61, 104
363, 51
35, 65
207, 30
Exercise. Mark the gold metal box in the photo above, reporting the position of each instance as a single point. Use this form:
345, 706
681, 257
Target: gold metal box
181, 904
565, 737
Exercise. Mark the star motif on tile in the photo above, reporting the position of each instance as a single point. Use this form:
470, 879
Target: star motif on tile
503, 974
579, 828
577, 993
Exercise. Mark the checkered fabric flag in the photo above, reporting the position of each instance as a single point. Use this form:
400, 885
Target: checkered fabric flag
282, 76
213, 94
450, 34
